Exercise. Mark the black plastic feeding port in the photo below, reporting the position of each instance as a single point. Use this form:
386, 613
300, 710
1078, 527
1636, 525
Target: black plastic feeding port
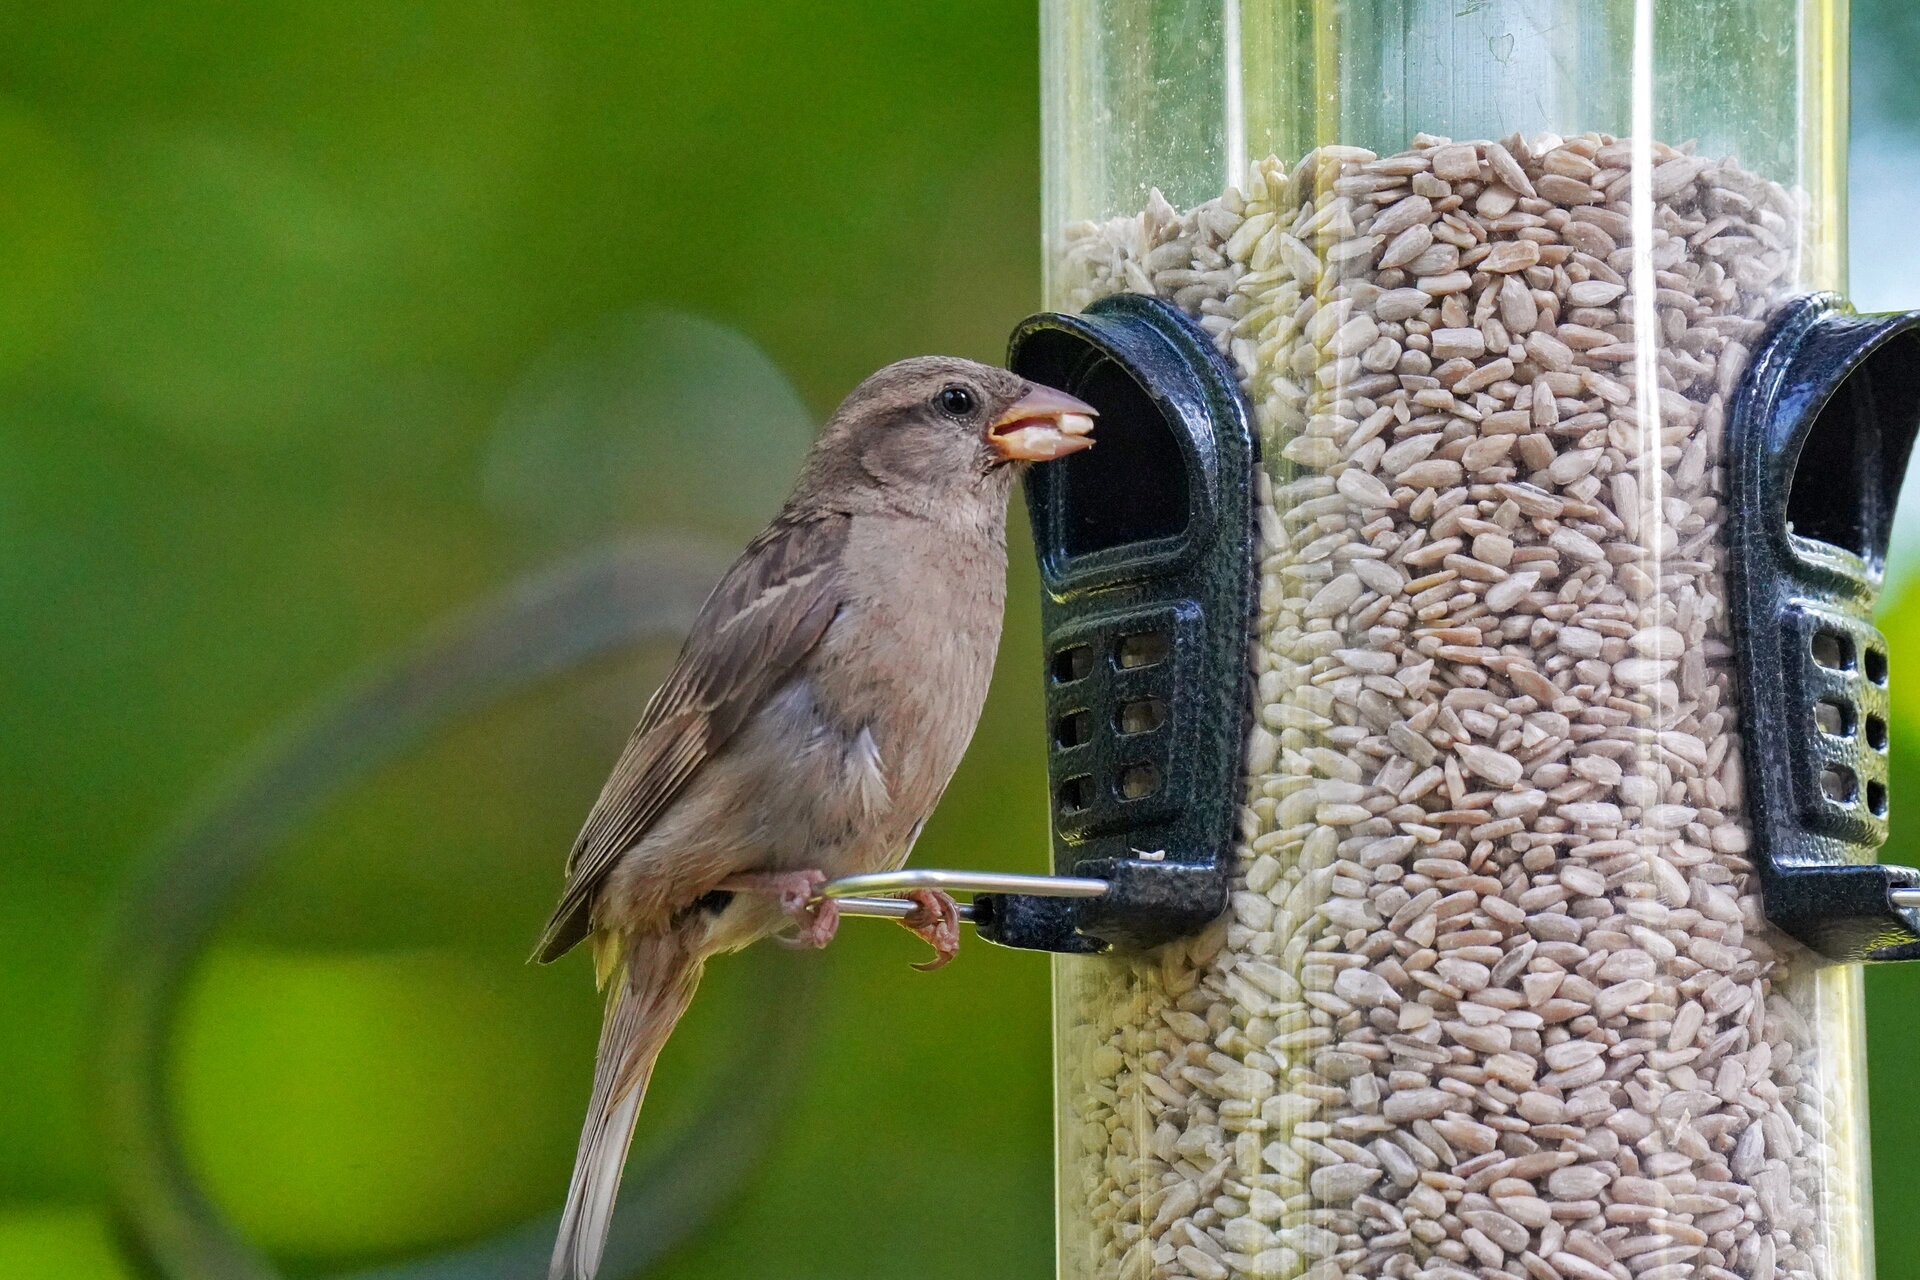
1819, 436
1146, 557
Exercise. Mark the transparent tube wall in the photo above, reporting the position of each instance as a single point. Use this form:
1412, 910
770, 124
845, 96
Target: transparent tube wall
1495, 995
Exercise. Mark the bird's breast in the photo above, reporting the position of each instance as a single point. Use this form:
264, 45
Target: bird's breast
911, 661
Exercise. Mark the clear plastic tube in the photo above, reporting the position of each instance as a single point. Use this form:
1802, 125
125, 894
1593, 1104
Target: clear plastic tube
1495, 995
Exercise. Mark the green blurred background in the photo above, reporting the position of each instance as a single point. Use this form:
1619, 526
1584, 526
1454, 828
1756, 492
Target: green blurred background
320, 322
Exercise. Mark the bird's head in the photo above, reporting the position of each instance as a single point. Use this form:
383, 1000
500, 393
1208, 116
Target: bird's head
935, 423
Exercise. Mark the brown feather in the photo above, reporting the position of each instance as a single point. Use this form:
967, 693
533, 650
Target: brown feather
768, 612
645, 1001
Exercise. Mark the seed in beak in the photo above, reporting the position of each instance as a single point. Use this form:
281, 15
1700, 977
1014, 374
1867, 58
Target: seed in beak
1044, 424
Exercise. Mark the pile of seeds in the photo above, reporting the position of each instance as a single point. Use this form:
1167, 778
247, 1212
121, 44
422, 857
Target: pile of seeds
1495, 996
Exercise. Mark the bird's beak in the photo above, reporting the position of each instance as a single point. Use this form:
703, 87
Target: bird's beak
1044, 424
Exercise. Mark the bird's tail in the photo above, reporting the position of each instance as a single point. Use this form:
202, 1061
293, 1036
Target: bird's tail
653, 982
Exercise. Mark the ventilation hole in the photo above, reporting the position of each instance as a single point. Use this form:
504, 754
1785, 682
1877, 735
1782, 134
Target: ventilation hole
1138, 781
1142, 715
1073, 664
1876, 733
1876, 664
1833, 718
1837, 783
1833, 650
1147, 649
1877, 798
1073, 729
1076, 794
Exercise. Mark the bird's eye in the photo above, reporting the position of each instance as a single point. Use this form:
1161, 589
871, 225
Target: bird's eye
957, 401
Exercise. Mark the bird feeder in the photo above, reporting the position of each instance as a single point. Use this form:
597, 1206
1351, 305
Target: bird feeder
1467, 733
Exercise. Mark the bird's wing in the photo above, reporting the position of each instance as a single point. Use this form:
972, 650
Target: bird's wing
765, 616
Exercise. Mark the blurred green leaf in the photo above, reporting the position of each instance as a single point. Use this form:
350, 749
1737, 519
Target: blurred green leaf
353, 1105
49, 225
60, 1244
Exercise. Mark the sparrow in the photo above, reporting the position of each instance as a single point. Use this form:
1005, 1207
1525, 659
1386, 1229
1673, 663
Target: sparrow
816, 713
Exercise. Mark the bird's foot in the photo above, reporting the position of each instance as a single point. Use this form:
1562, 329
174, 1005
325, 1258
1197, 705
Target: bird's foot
936, 918
794, 891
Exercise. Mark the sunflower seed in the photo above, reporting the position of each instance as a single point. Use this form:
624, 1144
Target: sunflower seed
1494, 989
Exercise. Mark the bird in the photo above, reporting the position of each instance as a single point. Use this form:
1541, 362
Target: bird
816, 712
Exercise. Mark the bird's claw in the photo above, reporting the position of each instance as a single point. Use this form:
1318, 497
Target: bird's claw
795, 891
936, 918
817, 923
